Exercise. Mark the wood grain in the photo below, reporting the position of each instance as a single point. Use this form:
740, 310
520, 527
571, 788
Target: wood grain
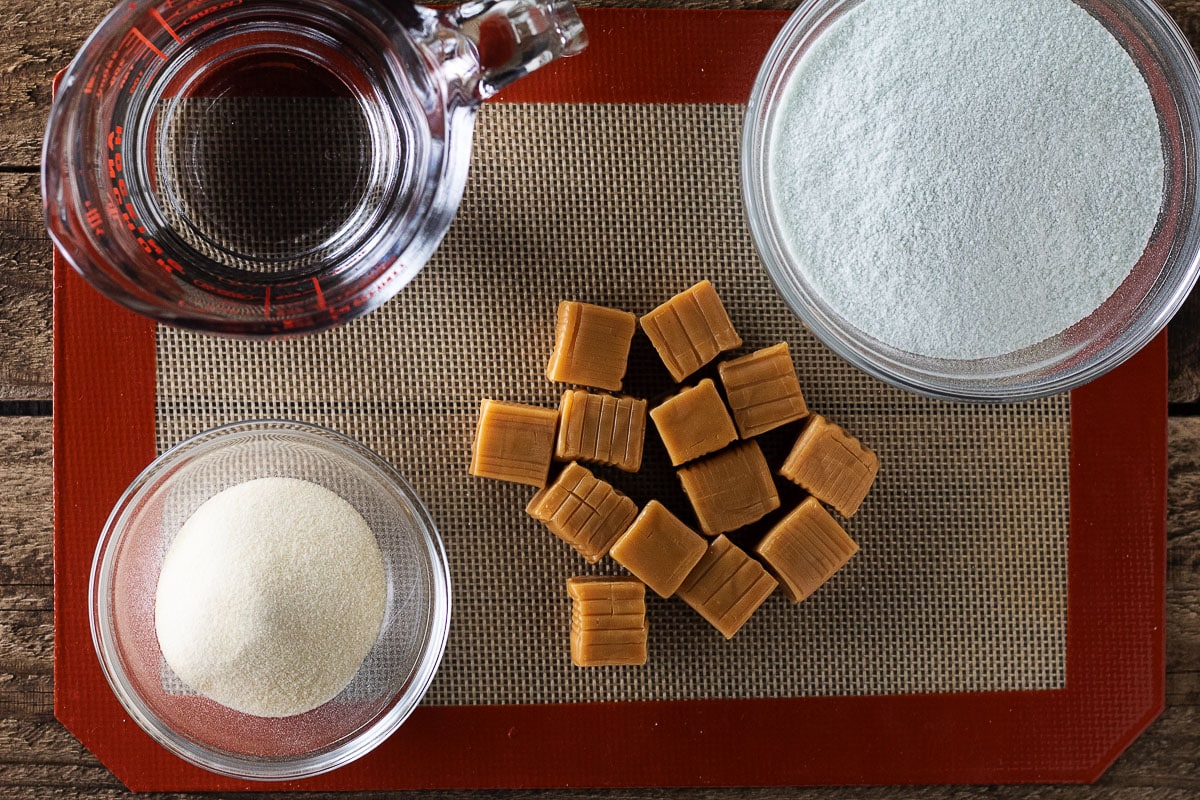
39, 759
25, 290
40, 39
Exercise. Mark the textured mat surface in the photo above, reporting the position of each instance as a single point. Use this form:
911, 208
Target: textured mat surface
961, 581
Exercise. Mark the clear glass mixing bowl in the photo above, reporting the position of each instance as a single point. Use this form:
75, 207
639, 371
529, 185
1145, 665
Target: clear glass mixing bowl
1122, 325
393, 677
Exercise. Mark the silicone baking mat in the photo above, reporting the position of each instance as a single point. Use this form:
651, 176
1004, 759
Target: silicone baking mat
963, 643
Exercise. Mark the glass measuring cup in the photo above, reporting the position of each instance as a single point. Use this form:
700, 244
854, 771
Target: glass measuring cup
269, 167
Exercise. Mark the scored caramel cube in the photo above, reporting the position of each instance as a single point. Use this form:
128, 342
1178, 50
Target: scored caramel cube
805, 549
616, 607
726, 586
690, 329
608, 636
586, 654
584, 511
591, 345
731, 489
514, 442
763, 390
693, 423
605, 589
608, 621
601, 428
659, 549
831, 465
591, 620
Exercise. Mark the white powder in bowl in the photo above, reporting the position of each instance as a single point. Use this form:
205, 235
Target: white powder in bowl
964, 178
270, 597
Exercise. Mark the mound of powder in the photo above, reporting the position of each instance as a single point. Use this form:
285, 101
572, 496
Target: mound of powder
270, 597
964, 178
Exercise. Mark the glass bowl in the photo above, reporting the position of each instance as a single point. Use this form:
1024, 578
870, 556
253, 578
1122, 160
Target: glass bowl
393, 677
1133, 315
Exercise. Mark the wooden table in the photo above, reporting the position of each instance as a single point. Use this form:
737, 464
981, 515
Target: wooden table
38, 758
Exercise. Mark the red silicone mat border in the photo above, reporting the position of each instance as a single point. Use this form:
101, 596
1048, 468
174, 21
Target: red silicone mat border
104, 436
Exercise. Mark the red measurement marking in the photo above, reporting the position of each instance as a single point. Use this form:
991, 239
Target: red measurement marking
320, 294
129, 215
163, 22
149, 44
217, 290
267, 303
201, 14
94, 219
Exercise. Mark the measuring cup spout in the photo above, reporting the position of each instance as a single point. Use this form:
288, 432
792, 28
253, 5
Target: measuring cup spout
267, 168
488, 44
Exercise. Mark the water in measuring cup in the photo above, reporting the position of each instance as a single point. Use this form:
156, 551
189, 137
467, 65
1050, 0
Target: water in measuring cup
269, 154
264, 161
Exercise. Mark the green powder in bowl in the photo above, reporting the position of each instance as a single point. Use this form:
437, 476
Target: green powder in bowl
977, 199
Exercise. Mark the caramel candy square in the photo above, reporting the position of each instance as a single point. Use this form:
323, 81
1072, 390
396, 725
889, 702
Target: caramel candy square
615, 591
693, 423
727, 586
690, 329
514, 442
584, 511
601, 428
591, 346
629, 654
731, 489
659, 549
805, 549
763, 390
831, 465
608, 621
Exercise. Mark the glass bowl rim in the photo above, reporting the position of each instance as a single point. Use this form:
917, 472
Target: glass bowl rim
221, 762
1015, 385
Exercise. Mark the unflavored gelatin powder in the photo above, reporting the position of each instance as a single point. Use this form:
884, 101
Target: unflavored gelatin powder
270, 597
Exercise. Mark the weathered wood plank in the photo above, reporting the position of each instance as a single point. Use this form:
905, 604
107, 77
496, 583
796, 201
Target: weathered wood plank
1183, 557
25, 289
39, 759
1183, 683
39, 39
26, 302
26, 574
1183, 353
1184, 331
26, 507
25, 521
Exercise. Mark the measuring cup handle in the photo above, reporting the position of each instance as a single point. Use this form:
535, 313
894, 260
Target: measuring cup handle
512, 38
